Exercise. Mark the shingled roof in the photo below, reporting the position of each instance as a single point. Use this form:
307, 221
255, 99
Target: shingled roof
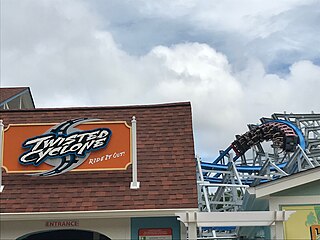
166, 166
9, 95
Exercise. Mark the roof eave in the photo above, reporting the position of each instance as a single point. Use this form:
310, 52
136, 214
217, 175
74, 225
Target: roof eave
298, 179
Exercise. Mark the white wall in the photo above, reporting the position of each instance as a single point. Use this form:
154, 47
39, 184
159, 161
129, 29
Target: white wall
112, 228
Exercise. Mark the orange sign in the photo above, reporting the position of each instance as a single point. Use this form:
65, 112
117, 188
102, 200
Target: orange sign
315, 232
74, 145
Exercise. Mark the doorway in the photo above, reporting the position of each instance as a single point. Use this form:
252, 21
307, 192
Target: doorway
64, 235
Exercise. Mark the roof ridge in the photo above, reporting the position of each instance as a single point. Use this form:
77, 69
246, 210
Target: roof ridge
158, 105
15, 87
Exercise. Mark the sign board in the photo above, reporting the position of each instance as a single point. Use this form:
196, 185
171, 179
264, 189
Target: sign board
59, 224
74, 145
315, 232
304, 224
155, 234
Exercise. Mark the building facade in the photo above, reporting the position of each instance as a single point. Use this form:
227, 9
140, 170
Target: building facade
130, 172
91, 204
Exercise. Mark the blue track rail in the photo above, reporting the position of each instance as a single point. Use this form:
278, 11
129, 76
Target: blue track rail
216, 165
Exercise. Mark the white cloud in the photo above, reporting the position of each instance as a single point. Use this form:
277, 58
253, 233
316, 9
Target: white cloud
278, 33
60, 49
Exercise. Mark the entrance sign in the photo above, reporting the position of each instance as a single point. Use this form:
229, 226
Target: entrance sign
74, 145
66, 223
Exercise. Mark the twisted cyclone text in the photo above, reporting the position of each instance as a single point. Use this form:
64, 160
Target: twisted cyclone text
59, 145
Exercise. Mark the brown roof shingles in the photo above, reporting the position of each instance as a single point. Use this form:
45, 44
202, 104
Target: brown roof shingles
6, 93
166, 166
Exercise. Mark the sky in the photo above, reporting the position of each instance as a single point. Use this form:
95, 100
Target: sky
234, 60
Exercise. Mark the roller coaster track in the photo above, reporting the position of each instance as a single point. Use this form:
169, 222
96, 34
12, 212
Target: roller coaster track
280, 146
